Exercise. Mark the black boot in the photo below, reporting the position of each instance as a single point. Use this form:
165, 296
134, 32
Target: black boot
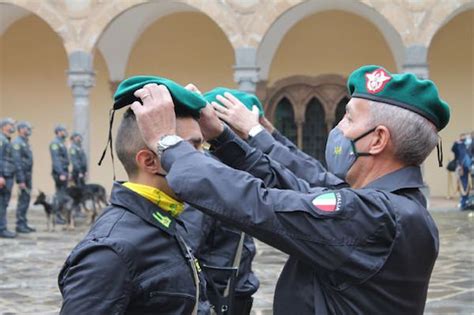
31, 228
7, 234
22, 229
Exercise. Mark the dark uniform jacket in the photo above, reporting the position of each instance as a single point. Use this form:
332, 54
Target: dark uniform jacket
283, 151
372, 252
59, 157
7, 163
132, 261
78, 159
215, 243
23, 158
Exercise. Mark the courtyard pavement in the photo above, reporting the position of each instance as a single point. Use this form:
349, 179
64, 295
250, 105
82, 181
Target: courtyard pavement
29, 266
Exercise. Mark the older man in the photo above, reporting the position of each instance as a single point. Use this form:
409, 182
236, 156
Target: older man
364, 249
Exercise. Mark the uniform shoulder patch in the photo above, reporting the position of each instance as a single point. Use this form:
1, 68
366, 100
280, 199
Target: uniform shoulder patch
328, 202
16, 146
73, 151
54, 146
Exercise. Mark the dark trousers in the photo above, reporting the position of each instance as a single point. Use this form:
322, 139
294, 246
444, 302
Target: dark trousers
5, 194
242, 305
78, 181
60, 192
59, 184
23, 202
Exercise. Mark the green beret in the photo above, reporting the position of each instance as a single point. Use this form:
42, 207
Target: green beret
183, 99
249, 100
404, 90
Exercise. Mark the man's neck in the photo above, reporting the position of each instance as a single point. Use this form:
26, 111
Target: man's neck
156, 181
374, 172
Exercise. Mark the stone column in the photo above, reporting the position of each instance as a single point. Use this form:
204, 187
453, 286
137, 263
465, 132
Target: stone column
416, 61
81, 78
245, 69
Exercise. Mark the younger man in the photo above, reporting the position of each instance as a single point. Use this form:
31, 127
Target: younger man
133, 260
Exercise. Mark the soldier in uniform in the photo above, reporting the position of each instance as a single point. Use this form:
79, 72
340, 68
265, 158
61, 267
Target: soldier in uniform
367, 247
7, 172
78, 160
134, 260
24, 160
60, 168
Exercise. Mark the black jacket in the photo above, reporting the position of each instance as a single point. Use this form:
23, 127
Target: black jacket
352, 251
23, 159
132, 261
78, 159
7, 163
59, 157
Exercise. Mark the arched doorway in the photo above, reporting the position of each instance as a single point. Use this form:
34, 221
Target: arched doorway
305, 109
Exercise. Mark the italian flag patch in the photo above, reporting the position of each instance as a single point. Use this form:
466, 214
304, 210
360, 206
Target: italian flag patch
328, 202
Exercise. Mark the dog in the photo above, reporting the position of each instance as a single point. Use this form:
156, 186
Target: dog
59, 204
98, 193
94, 193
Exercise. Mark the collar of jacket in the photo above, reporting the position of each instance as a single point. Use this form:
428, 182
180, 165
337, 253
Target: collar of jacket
407, 177
125, 198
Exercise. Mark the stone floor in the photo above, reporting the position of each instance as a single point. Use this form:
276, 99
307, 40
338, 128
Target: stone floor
30, 263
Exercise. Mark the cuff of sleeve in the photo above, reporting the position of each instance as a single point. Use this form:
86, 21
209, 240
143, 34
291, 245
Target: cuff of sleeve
226, 136
234, 153
170, 155
262, 141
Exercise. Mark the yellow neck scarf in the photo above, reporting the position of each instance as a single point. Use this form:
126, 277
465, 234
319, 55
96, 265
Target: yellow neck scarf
158, 197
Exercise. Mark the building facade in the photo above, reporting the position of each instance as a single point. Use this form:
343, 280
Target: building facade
60, 61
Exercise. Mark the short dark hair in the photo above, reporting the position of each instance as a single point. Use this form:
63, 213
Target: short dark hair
129, 139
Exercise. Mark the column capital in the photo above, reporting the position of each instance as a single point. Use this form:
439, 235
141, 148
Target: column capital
416, 61
245, 69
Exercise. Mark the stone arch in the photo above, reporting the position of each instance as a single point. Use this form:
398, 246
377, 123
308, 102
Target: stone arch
121, 24
280, 27
13, 10
462, 8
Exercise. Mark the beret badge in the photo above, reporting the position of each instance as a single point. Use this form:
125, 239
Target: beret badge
376, 80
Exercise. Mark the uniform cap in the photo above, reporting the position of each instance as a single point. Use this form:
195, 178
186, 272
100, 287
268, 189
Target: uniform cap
6, 121
23, 124
183, 99
403, 90
249, 100
59, 127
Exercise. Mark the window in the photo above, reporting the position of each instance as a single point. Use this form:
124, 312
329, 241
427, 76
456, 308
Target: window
285, 119
315, 130
340, 110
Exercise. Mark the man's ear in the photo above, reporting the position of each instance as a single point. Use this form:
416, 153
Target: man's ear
380, 141
148, 161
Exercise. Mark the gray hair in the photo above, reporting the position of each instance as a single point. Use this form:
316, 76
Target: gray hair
412, 135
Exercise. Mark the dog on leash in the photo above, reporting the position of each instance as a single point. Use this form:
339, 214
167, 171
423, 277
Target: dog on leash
62, 204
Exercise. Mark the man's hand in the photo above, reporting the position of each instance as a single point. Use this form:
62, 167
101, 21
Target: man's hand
266, 124
22, 186
81, 175
63, 178
211, 126
156, 117
2, 182
236, 115
191, 87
